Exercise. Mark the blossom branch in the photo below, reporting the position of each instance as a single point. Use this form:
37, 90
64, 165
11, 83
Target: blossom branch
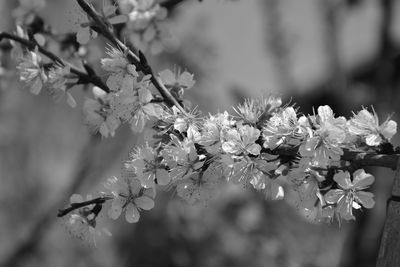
372, 159
74, 206
84, 78
139, 61
357, 159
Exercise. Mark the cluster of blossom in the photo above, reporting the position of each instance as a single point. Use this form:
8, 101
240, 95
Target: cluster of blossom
144, 27
56, 80
266, 146
143, 21
82, 222
36, 73
130, 99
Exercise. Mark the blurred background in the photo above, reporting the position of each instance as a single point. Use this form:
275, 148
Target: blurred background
344, 53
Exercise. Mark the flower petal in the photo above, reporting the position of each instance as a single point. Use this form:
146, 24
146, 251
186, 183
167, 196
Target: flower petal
138, 122
373, 139
325, 113
334, 195
36, 86
249, 134
76, 198
154, 110
132, 214
345, 208
162, 176
366, 199
115, 209
144, 202
343, 179
147, 179
145, 96
309, 146
150, 192
388, 129
254, 149
186, 80
168, 77
275, 191
362, 180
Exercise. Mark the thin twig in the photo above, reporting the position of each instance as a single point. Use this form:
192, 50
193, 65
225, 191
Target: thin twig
78, 205
83, 77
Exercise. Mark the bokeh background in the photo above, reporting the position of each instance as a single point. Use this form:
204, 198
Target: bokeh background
344, 53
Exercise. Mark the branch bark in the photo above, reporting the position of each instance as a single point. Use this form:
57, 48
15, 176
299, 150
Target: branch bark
74, 206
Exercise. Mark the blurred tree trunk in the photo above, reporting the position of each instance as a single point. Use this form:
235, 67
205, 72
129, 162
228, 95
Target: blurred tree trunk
390, 242
359, 250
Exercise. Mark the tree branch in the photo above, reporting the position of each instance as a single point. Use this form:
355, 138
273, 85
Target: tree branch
357, 159
372, 159
83, 77
74, 206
